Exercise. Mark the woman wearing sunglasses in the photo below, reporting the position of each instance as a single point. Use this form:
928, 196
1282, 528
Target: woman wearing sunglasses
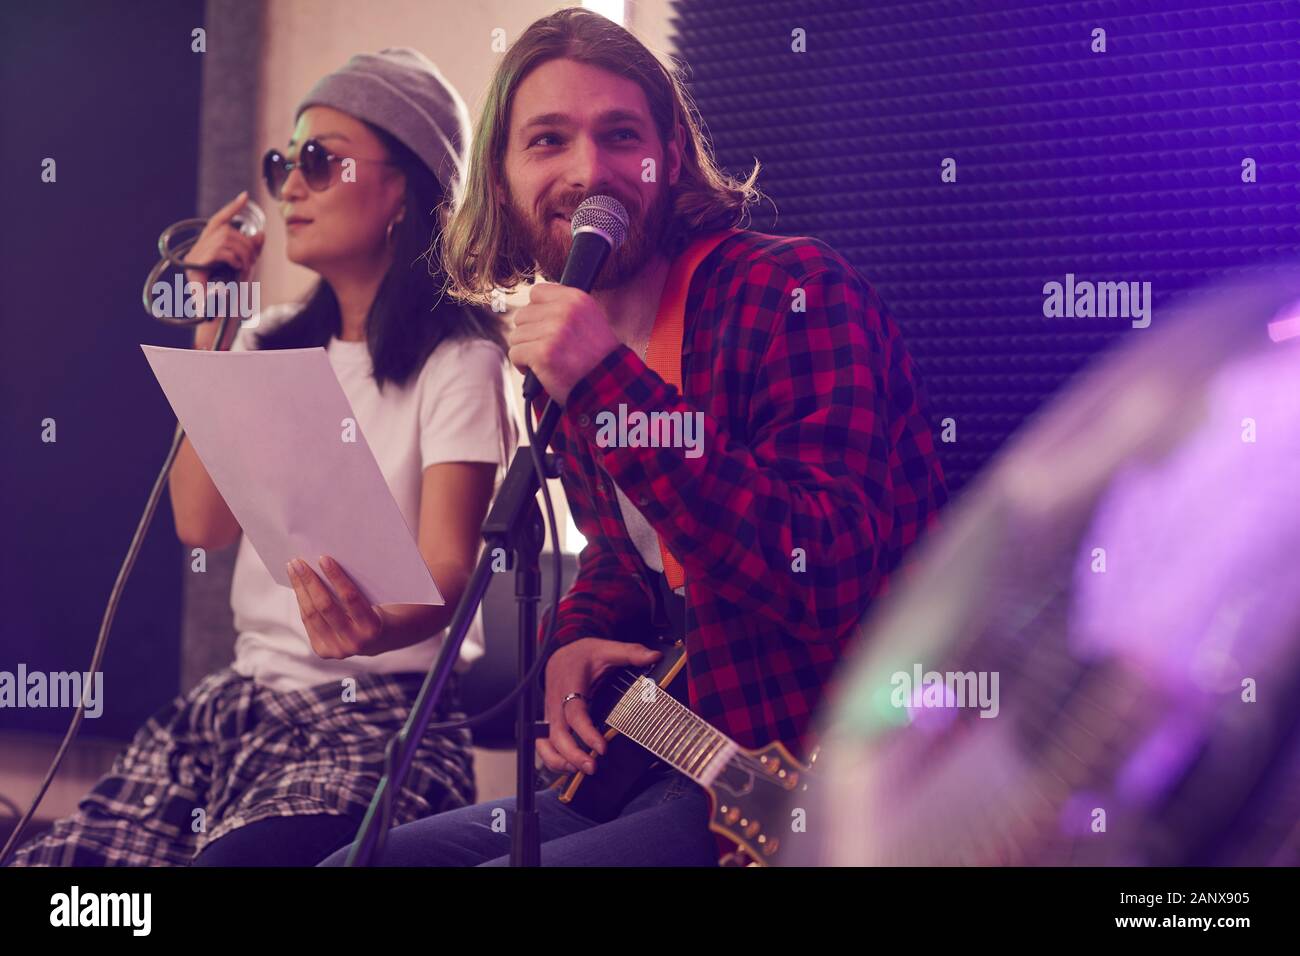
274, 760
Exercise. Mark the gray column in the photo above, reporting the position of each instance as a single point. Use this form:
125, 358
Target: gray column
228, 157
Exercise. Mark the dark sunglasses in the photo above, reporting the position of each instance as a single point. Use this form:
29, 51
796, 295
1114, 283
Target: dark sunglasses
314, 162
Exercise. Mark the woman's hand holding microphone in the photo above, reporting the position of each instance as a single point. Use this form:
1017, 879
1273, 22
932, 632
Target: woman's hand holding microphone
221, 242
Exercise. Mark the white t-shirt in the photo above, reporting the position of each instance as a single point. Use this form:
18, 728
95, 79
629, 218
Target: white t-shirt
644, 536
455, 409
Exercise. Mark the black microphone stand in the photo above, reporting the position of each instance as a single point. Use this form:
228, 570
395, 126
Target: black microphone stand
515, 525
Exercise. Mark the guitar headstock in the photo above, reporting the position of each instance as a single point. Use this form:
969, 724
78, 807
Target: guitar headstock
752, 798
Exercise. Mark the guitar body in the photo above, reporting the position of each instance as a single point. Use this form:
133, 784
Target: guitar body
602, 796
751, 803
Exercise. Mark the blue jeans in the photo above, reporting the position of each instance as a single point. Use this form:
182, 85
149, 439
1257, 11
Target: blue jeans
666, 824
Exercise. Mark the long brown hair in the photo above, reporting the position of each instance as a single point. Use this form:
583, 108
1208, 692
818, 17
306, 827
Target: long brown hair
479, 255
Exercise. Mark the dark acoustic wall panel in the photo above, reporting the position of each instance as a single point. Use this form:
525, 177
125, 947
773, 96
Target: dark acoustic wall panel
109, 91
1122, 165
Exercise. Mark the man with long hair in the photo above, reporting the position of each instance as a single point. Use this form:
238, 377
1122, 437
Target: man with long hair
812, 470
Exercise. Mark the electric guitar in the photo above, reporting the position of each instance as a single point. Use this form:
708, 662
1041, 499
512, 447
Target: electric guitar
750, 790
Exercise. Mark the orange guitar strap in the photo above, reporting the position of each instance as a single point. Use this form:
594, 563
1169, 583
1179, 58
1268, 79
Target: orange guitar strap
664, 352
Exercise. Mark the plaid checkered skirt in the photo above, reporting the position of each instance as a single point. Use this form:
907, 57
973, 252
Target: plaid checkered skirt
231, 752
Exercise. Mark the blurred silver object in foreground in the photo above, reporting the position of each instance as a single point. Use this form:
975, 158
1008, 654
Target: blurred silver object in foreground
1123, 585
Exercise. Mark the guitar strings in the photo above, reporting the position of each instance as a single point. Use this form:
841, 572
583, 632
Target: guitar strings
623, 682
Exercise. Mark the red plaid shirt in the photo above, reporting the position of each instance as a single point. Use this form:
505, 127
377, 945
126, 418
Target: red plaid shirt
818, 471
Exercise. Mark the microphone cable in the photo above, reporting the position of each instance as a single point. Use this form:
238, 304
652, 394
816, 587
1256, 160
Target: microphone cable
250, 220
106, 623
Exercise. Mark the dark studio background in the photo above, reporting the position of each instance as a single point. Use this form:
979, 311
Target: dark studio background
110, 92
1117, 165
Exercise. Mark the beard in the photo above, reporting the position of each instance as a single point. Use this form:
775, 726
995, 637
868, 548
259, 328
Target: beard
548, 246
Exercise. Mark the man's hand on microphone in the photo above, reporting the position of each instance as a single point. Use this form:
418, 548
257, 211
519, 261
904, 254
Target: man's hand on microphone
561, 335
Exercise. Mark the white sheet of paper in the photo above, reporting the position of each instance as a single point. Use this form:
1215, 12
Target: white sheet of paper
269, 428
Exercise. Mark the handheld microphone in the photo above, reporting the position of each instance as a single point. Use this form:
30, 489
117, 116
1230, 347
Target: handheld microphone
599, 227
250, 221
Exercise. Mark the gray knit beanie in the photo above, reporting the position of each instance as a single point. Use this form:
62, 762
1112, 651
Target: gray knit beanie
401, 91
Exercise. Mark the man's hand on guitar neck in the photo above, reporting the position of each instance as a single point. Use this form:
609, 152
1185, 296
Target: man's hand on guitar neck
574, 669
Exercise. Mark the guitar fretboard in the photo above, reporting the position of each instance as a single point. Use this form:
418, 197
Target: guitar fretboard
651, 716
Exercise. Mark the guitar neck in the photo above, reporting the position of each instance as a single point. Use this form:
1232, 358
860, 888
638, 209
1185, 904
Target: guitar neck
661, 724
